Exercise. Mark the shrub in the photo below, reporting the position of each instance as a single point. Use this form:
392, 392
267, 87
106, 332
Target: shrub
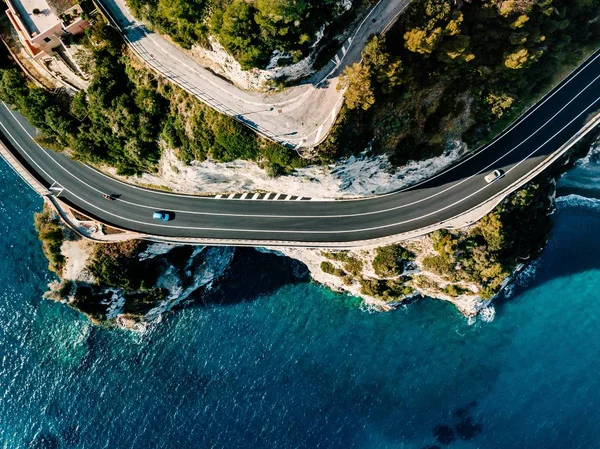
454, 290
389, 260
438, 265
115, 265
329, 268
51, 234
385, 289
352, 265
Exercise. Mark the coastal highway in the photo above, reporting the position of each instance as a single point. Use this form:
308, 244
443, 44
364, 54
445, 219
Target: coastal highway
523, 148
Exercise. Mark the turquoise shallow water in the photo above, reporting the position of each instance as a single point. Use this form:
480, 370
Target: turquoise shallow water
292, 365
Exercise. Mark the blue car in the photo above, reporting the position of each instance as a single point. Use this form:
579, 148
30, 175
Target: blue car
161, 215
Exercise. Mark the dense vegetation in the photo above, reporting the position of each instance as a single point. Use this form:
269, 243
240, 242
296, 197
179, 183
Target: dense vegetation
116, 265
457, 70
483, 256
51, 234
389, 262
250, 30
515, 231
126, 113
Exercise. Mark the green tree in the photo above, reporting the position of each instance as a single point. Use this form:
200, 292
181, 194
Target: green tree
357, 80
389, 260
387, 69
421, 41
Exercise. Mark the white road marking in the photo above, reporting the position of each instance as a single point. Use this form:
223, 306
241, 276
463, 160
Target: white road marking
320, 232
308, 216
277, 195
256, 195
348, 215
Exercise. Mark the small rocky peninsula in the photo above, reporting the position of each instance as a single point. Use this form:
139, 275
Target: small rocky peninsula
131, 284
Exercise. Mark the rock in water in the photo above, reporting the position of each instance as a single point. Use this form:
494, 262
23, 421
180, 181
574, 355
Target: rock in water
467, 428
444, 434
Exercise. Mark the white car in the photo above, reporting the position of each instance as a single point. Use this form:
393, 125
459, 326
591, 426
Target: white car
496, 174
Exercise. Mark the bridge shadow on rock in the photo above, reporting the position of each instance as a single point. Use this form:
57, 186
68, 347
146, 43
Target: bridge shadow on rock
253, 274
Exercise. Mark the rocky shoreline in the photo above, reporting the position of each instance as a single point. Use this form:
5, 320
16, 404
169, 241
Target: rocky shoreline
131, 284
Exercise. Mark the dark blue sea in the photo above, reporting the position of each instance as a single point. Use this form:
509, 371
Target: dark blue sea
272, 361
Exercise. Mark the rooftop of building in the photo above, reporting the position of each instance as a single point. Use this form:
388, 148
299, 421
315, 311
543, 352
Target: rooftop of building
41, 15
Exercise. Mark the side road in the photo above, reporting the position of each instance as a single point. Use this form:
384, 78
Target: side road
299, 117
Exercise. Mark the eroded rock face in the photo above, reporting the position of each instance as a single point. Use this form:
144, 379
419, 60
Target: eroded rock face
133, 283
467, 267
353, 272
354, 176
155, 279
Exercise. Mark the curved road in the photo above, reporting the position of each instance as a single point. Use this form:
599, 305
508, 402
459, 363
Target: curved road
298, 117
520, 150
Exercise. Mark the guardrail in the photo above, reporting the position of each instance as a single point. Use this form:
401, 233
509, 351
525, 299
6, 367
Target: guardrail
463, 219
159, 68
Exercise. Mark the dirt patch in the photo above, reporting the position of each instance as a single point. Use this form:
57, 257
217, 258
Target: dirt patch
60, 6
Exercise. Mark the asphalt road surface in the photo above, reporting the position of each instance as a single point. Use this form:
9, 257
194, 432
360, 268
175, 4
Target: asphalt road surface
518, 151
299, 117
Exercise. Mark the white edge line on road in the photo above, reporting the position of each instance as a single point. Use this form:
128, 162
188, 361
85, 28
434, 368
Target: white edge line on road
313, 232
449, 169
277, 195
